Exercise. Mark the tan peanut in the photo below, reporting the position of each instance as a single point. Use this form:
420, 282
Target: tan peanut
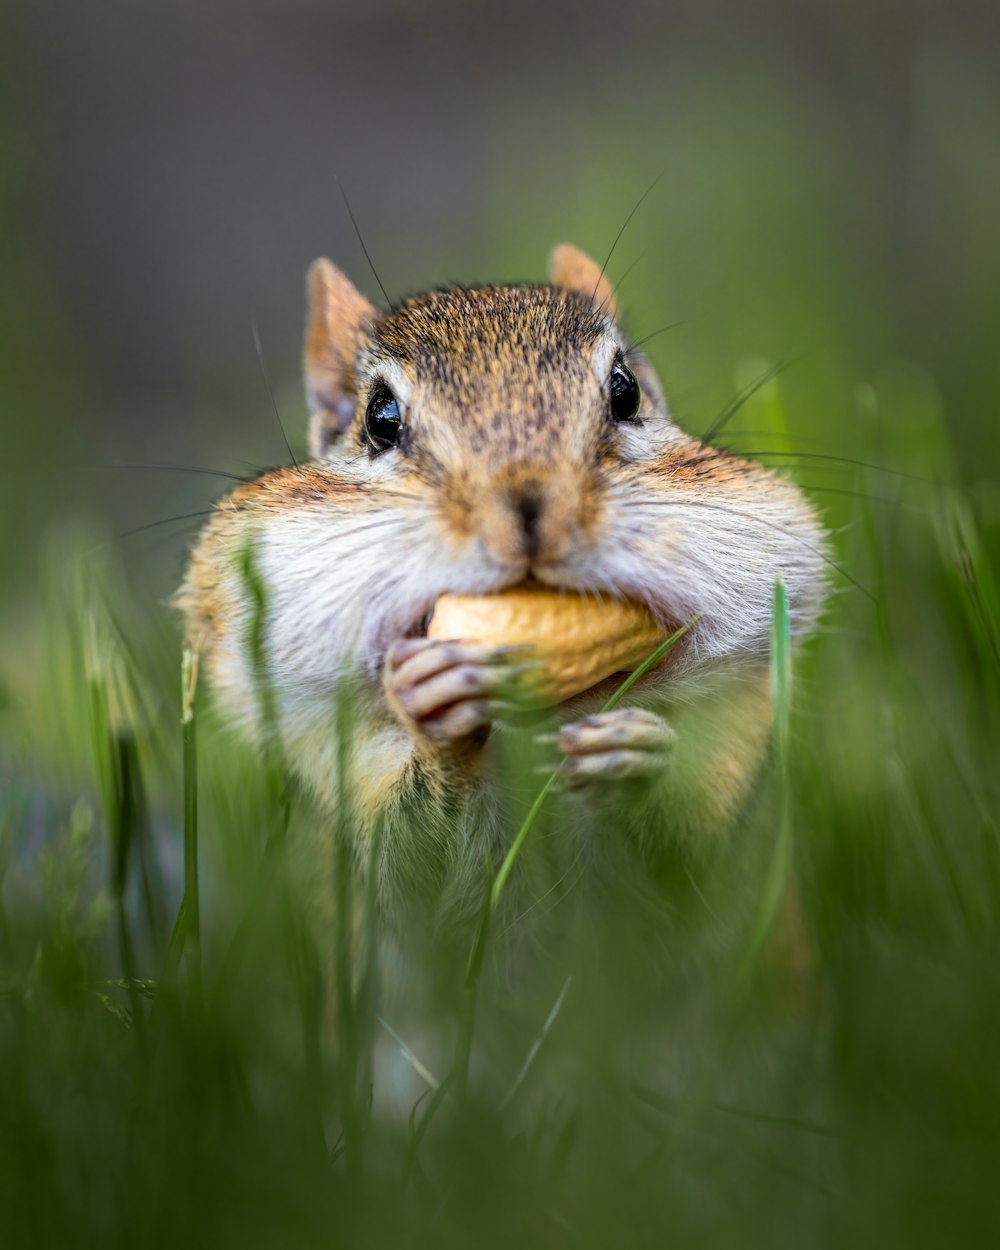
580, 640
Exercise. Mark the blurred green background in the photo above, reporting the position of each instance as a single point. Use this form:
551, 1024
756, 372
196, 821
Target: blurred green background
828, 200
830, 191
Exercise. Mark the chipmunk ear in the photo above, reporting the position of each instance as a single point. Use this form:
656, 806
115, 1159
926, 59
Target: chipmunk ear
339, 317
573, 270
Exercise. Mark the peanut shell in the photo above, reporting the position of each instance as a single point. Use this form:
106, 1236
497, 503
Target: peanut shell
580, 640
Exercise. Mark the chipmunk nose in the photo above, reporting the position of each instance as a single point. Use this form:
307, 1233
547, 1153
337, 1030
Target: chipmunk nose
528, 506
532, 522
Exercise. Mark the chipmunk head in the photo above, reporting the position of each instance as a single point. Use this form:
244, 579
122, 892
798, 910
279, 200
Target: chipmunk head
512, 404
470, 439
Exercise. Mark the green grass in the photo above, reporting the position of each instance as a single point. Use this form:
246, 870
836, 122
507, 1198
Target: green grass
656, 1065
645, 1067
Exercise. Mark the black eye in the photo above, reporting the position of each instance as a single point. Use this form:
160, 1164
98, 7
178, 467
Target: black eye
623, 391
382, 422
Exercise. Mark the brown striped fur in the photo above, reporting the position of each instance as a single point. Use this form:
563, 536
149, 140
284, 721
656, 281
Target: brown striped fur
503, 396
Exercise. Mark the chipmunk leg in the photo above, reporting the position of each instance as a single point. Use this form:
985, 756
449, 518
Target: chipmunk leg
442, 691
619, 745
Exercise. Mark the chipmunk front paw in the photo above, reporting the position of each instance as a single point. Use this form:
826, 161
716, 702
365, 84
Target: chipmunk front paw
621, 745
443, 691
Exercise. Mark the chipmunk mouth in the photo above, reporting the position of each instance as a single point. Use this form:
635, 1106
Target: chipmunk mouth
420, 627
578, 644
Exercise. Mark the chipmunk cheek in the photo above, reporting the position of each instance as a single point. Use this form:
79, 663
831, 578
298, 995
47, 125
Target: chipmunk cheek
455, 517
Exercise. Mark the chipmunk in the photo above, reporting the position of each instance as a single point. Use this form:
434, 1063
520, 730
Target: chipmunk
469, 440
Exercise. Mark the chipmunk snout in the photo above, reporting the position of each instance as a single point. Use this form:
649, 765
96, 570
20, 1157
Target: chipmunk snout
533, 522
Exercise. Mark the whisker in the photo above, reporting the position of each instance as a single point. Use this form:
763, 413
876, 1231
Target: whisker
357, 231
860, 494
750, 516
839, 471
170, 520
139, 529
846, 460
637, 343
748, 392
618, 285
607, 260
270, 391
799, 438
345, 534
164, 468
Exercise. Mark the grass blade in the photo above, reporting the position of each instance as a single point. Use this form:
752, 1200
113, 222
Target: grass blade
500, 880
776, 877
191, 903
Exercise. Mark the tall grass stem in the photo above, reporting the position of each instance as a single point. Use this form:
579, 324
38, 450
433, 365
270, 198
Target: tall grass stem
189, 736
506, 867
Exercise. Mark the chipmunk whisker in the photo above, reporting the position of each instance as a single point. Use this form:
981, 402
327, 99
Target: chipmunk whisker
742, 515
132, 466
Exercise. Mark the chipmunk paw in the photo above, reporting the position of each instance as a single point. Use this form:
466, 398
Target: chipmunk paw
443, 691
621, 745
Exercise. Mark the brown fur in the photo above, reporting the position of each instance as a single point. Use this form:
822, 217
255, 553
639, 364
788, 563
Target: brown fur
502, 396
573, 270
206, 596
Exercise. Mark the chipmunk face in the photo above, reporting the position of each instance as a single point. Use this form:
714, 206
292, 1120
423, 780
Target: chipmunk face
512, 406
468, 440
506, 411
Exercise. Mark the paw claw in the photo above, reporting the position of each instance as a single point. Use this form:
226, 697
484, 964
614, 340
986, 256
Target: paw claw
615, 746
444, 691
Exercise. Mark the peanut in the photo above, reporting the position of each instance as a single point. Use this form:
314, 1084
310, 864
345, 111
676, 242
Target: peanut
579, 640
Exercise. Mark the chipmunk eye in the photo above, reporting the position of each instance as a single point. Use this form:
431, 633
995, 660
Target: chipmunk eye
623, 391
382, 420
